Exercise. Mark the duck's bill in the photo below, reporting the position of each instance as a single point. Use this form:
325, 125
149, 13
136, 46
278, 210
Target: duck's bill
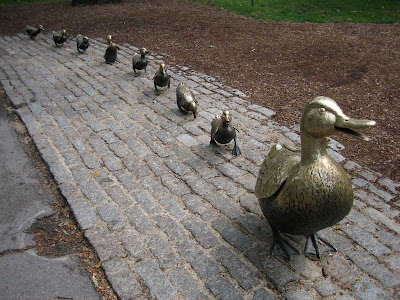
347, 125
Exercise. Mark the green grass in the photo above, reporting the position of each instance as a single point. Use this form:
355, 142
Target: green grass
318, 11
18, 2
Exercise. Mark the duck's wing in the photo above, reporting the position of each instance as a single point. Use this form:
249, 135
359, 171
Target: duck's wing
135, 58
216, 122
275, 170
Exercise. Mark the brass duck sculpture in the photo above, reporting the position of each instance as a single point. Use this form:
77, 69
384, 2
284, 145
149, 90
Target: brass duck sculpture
161, 78
223, 132
185, 100
32, 31
139, 61
302, 192
82, 43
60, 37
111, 51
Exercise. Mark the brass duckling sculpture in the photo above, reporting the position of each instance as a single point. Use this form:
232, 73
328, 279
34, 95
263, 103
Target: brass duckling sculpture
139, 61
161, 78
185, 100
32, 31
82, 43
111, 51
303, 192
223, 132
60, 37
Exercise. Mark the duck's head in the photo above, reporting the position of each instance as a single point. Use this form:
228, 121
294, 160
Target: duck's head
226, 117
162, 69
143, 51
85, 39
323, 117
64, 32
41, 28
109, 38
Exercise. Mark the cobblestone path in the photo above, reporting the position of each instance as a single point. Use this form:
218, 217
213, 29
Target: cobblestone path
169, 216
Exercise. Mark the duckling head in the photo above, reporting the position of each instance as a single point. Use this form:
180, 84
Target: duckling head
143, 51
162, 69
41, 28
226, 117
85, 39
64, 32
109, 38
323, 117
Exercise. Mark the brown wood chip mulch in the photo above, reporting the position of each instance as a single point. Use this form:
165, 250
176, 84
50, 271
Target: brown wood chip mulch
279, 65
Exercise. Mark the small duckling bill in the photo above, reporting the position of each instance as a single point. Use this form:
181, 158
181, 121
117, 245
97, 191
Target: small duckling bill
161, 78
303, 192
223, 132
139, 61
60, 37
185, 100
82, 43
32, 31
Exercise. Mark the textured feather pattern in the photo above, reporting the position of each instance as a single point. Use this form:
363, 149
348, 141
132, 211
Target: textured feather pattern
275, 169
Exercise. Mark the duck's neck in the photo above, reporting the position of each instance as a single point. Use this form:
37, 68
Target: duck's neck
312, 149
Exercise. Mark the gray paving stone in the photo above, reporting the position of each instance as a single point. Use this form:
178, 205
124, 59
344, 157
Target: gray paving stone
300, 294
202, 168
138, 168
99, 146
342, 270
250, 203
256, 226
156, 165
326, 288
174, 230
122, 279
120, 149
175, 186
104, 242
246, 278
90, 160
197, 206
84, 214
138, 218
227, 186
380, 217
176, 166
146, 201
203, 265
80, 174
186, 284
133, 243
232, 235
173, 206
161, 249
112, 162
197, 184
111, 215
94, 194
365, 289
160, 287
264, 294
279, 273
201, 232
366, 240
224, 204
371, 266
223, 289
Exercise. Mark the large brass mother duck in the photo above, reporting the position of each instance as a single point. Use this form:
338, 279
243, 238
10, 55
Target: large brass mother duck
302, 193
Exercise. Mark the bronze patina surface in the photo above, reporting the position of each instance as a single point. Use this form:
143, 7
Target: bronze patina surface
161, 78
185, 99
82, 43
60, 37
223, 132
111, 51
32, 31
139, 61
303, 192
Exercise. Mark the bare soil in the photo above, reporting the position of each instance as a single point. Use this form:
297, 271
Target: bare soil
279, 65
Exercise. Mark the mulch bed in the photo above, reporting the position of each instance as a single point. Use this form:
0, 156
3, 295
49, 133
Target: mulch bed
279, 65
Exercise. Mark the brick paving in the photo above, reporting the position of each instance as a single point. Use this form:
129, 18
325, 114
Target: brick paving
169, 216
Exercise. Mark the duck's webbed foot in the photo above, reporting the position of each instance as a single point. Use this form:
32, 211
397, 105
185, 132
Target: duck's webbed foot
236, 151
213, 142
286, 247
314, 238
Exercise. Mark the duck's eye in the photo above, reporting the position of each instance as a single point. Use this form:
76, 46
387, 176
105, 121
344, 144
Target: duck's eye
321, 110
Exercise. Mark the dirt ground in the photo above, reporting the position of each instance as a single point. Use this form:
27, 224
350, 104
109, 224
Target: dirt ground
279, 65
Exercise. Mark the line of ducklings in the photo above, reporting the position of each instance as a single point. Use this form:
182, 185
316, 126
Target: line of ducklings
299, 192
222, 130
